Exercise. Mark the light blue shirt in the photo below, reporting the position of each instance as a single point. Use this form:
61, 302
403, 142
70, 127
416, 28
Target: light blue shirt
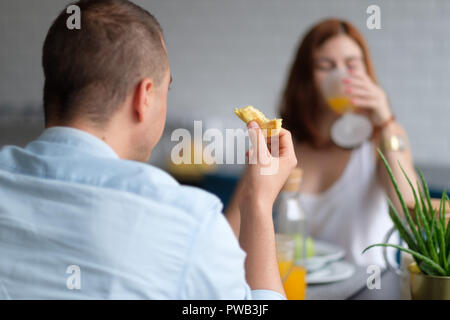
77, 222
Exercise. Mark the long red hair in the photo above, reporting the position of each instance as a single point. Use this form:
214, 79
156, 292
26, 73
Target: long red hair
301, 99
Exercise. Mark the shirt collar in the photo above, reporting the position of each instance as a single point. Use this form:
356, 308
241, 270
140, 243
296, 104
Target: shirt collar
79, 139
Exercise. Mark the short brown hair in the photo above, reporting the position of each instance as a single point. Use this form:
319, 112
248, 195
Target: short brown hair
90, 71
301, 98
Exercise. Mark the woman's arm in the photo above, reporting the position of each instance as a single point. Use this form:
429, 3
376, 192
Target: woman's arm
392, 138
393, 142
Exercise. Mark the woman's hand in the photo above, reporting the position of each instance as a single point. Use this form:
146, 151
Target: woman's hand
366, 95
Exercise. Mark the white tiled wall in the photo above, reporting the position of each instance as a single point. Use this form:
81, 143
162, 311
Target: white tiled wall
231, 53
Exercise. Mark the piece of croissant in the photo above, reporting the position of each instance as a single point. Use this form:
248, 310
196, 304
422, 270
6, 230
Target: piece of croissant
250, 113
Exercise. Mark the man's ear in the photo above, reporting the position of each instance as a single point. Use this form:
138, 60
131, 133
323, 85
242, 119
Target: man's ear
142, 95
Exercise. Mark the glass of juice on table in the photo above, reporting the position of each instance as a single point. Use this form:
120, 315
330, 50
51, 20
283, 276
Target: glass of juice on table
351, 129
293, 276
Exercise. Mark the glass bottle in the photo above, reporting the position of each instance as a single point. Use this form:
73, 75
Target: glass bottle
290, 221
289, 217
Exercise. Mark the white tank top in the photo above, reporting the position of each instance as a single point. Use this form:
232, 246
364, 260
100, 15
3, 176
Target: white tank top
353, 212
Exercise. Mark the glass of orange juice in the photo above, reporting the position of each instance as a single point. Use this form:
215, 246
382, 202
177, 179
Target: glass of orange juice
295, 283
351, 129
293, 276
335, 94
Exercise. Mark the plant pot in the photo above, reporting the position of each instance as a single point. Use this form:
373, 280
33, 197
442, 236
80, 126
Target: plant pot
425, 287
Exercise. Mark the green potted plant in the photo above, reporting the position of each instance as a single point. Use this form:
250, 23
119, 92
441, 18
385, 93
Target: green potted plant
427, 236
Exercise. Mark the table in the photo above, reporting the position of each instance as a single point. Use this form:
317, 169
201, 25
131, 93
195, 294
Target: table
390, 289
355, 288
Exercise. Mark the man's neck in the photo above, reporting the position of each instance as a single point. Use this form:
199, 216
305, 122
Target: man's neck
105, 134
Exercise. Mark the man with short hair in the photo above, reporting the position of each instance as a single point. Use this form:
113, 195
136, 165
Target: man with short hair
82, 215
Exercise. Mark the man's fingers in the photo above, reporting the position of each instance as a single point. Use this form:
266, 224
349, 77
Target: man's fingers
285, 141
282, 141
286, 147
255, 134
259, 143
261, 153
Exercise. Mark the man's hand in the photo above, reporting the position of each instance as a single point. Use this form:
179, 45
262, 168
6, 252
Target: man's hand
268, 169
270, 164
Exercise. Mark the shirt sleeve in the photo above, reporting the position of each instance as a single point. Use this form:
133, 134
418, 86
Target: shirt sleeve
266, 295
216, 267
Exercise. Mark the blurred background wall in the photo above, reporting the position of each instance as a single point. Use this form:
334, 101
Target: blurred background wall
231, 53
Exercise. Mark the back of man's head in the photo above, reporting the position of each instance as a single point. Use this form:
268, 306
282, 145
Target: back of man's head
89, 72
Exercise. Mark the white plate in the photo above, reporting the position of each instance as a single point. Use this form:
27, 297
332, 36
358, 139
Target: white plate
335, 271
324, 253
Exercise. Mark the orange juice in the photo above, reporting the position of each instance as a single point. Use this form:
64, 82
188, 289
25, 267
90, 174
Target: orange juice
285, 267
295, 284
340, 104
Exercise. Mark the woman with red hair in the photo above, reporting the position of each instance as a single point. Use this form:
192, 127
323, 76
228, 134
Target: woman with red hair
343, 190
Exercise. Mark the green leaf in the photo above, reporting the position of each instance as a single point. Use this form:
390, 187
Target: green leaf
402, 229
434, 240
427, 191
427, 236
417, 219
429, 232
442, 208
441, 231
431, 248
448, 266
427, 269
438, 269
423, 206
394, 182
418, 236
447, 233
